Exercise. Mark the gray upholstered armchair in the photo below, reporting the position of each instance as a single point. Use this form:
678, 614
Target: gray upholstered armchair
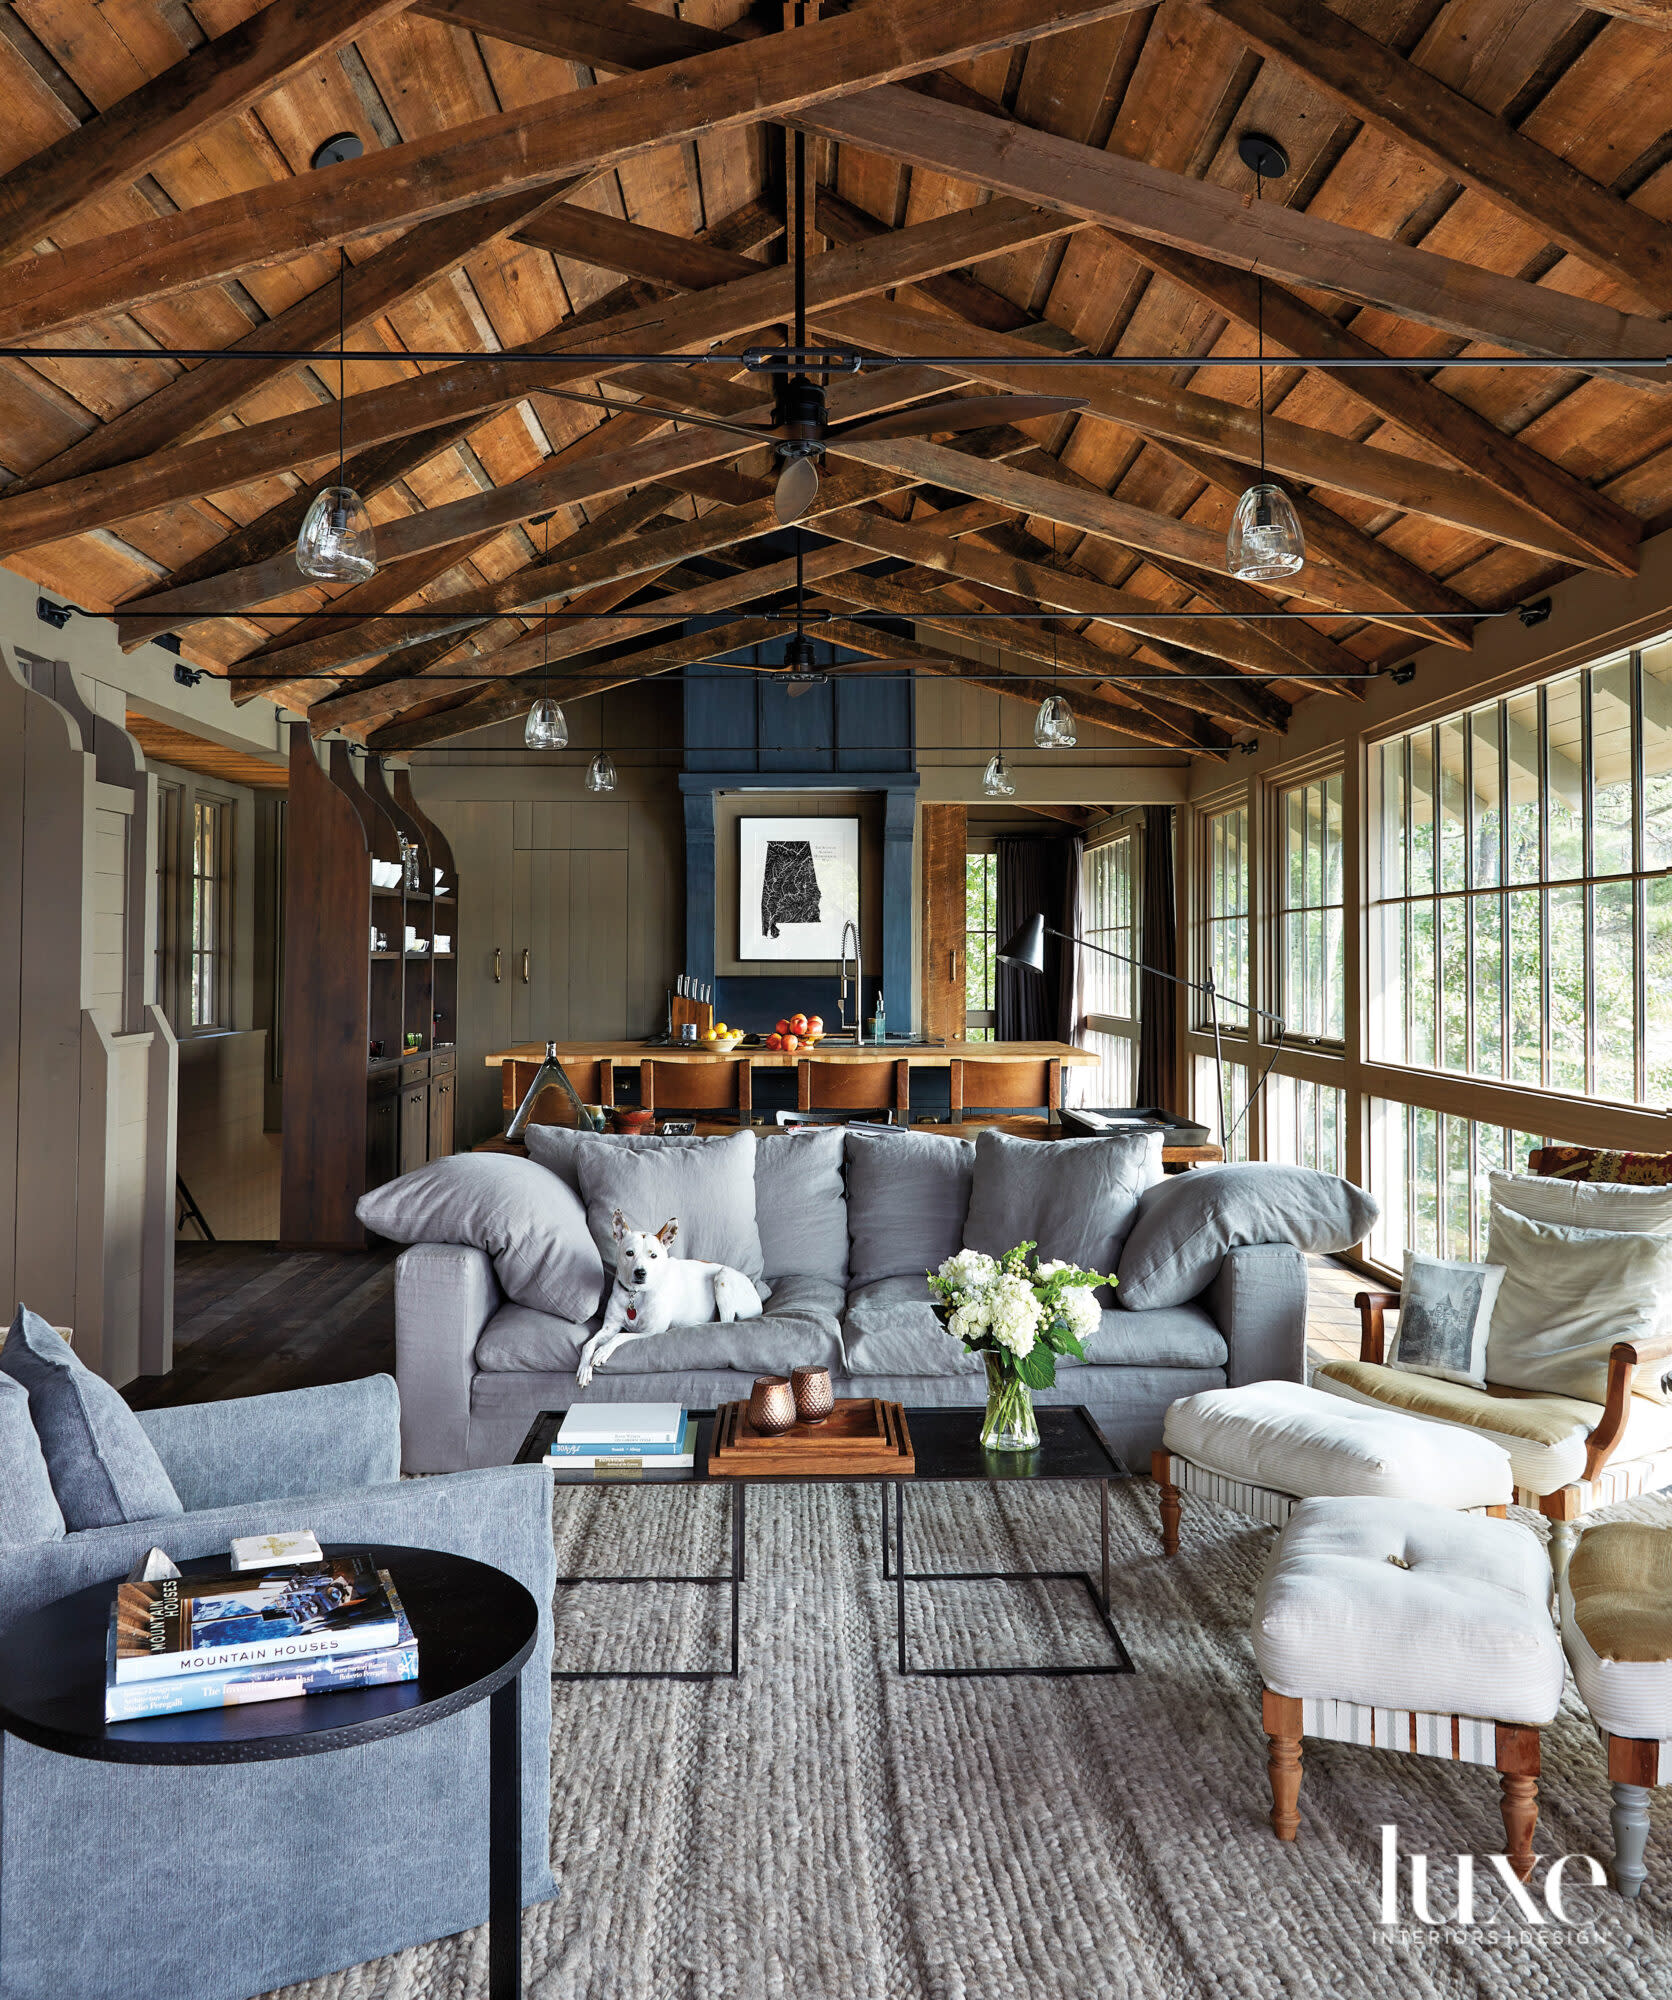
261, 1875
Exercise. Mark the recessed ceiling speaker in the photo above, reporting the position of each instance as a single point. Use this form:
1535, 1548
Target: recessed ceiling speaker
341, 146
1262, 156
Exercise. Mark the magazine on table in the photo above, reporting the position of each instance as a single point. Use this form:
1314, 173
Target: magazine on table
186, 1625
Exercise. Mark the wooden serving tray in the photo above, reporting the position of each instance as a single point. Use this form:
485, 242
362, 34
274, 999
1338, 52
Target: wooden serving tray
861, 1437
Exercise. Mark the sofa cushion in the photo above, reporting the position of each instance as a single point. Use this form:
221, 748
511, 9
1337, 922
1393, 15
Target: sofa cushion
104, 1469
890, 1328
1394, 1604
1567, 1296
1292, 1439
1584, 1204
530, 1222
29, 1511
908, 1196
799, 1329
1186, 1224
801, 1203
707, 1184
1076, 1199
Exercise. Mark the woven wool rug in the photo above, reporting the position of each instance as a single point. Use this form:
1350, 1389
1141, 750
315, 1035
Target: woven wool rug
824, 1830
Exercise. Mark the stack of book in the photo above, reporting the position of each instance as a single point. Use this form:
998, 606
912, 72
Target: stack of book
185, 1642
626, 1439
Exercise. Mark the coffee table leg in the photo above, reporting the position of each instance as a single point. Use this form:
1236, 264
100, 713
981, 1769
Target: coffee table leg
737, 1566
505, 1843
1103, 1503
887, 1573
900, 1567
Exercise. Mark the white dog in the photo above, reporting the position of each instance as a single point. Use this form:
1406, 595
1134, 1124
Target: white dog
654, 1291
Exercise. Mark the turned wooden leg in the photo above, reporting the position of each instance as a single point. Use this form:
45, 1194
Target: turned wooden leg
1564, 1538
1633, 1767
1160, 1467
1280, 1716
1630, 1821
1518, 1762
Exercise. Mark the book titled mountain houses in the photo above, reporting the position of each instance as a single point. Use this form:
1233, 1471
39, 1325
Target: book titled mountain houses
201, 1624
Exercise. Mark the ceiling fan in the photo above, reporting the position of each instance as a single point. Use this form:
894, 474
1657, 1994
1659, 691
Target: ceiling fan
800, 428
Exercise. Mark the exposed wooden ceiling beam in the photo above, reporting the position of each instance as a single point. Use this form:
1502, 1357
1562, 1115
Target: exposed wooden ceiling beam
1159, 721
1098, 514
530, 146
359, 705
1290, 244
582, 561
1403, 397
231, 458
1077, 665
1407, 104
1150, 407
1038, 584
495, 702
217, 80
603, 34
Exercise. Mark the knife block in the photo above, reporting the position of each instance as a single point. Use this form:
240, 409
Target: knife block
681, 1010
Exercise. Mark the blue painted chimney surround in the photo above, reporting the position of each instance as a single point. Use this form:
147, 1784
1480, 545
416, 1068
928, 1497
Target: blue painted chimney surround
745, 732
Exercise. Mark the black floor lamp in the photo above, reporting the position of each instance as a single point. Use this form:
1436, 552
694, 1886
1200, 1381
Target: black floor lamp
1027, 948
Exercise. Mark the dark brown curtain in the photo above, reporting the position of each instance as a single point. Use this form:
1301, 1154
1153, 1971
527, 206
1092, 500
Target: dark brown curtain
1158, 998
1040, 876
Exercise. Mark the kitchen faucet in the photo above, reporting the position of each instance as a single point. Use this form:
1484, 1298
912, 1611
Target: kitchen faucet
848, 924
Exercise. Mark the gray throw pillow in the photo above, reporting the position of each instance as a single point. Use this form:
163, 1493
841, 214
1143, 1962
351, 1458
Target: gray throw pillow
908, 1195
28, 1510
1076, 1198
1187, 1222
801, 1206
707, 1184
528, 1221
104, 1469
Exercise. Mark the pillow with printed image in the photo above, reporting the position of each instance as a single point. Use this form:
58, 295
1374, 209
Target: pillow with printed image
1445, 1316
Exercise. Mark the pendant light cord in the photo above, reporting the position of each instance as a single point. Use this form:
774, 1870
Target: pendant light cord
1260, 338
342, 358
546, 630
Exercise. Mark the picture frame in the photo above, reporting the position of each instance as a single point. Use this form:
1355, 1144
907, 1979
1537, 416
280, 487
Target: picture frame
798, 884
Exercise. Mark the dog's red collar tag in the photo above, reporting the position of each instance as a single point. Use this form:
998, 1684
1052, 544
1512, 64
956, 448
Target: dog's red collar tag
632, 1312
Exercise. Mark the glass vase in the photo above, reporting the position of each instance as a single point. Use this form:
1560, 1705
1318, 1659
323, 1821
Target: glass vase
1010, 1424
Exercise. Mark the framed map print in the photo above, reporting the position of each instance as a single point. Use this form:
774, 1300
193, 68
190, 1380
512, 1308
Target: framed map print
798, 883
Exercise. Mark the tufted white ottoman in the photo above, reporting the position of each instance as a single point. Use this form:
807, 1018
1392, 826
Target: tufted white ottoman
1617, 1628
1414, 1628
1261, 1448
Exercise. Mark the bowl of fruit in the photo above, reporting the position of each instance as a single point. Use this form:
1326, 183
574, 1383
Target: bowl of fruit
721, 1039
797, 1032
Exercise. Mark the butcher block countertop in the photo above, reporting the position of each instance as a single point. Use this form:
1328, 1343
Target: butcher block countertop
627, 1054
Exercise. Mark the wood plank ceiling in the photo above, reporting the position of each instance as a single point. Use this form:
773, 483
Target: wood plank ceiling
1000, 180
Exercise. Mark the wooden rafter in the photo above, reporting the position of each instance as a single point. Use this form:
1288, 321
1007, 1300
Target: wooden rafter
529, 147
218, 80
1487, 154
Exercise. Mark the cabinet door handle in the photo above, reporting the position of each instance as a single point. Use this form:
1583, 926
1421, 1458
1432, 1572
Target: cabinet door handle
498, 965
525, 965
952, 966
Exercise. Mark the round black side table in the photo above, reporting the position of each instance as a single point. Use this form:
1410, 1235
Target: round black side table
475, 1626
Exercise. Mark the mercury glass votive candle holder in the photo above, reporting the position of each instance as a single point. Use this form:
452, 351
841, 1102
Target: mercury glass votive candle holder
814, 1398
771, 1406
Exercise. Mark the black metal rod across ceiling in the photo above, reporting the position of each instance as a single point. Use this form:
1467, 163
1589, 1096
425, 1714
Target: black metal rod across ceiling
1634, 364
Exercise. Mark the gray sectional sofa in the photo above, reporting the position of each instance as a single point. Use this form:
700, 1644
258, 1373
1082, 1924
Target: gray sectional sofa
848, 1221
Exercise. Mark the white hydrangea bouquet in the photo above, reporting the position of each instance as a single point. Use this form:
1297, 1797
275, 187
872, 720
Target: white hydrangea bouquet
1018, 1314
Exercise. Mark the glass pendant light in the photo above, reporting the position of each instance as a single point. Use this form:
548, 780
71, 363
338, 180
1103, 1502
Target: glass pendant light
600, 773
996, 780
1053, 726
335, 542
1265, 542
547, 727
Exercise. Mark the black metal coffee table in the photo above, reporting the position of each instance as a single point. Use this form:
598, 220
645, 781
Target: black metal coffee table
475, 1627
947, 1446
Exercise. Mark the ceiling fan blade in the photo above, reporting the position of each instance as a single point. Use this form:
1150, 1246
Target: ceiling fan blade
965, 413
760, 433
797, 489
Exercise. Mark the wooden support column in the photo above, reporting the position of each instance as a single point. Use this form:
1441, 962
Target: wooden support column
945, 839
